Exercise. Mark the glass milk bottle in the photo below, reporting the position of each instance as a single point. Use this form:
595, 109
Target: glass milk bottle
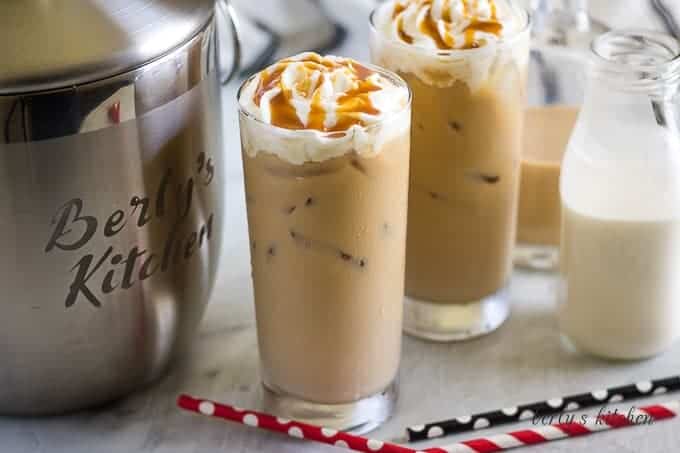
620, 191
561, 37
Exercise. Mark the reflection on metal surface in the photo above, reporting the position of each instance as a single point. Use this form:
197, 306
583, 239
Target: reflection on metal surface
84, 108
110, 230
48, 45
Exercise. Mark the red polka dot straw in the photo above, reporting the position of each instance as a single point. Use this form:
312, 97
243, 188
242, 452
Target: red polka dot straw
489, 444
570, 403
561, 431
291, 428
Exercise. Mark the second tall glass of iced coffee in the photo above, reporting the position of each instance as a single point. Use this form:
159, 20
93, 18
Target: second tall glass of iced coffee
465, 61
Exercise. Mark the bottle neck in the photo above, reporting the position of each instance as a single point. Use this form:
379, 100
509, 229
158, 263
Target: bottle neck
632, 90
606, 103
636, 63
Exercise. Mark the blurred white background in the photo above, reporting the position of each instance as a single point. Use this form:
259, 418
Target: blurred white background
271, 29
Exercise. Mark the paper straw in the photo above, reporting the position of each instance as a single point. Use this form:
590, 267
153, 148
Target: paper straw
490, 444
548, 407
290, 428
549, 433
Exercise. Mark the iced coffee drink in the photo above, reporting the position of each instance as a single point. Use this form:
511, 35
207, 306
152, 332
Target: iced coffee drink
465, 62
326, 159
546, 135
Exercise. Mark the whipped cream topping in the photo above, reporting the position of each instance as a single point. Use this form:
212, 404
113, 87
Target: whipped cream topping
327, 94
447, 24
322, 107
444, 42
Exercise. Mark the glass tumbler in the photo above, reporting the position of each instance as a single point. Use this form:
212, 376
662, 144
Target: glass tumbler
468, 110
328, 257
561, 36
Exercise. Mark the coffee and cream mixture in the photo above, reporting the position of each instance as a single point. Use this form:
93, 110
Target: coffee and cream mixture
326, 145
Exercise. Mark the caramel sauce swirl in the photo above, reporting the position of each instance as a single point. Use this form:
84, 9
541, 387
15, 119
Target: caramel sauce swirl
309, 108
448, 24
327, 94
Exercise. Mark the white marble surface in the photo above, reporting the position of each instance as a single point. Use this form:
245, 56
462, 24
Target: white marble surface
522, 362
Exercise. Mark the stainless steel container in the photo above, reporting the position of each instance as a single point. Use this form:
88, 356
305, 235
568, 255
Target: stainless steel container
110, 193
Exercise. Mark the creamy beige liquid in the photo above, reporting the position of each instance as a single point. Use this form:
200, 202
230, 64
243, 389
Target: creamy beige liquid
468, 109
326, 183
465, 167
546, 134
622, 291
327, 247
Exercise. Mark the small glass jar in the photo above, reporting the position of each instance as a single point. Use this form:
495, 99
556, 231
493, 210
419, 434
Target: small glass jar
561, 36
620, 191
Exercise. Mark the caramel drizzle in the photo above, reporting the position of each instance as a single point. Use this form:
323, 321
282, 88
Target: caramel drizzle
398, 9
350, 106
429, 26
491, 27
466, 8
446, 12
402, 34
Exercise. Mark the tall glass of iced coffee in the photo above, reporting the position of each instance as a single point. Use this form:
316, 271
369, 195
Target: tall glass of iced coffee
326, 157
466, 63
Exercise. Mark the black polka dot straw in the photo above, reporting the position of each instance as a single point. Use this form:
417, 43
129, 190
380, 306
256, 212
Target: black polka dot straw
548, 407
